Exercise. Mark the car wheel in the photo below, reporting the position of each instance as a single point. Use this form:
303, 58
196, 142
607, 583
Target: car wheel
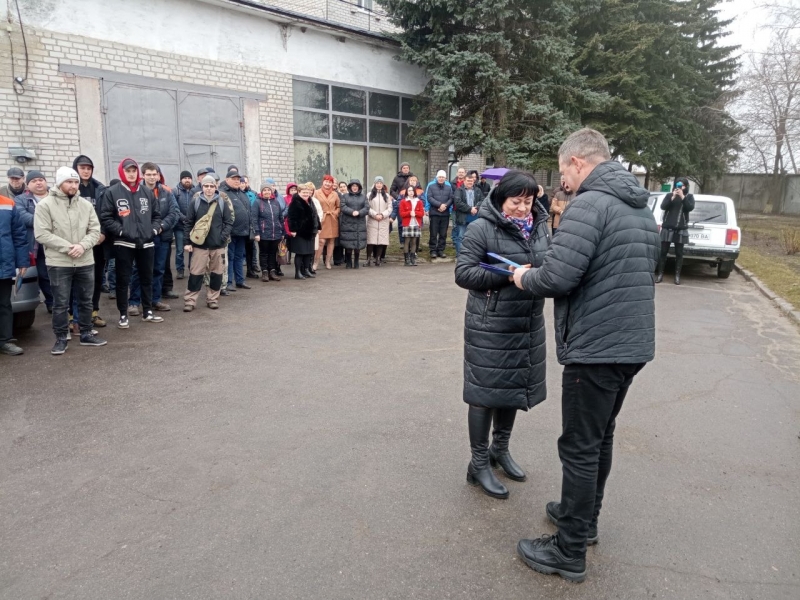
724, 269
24, 320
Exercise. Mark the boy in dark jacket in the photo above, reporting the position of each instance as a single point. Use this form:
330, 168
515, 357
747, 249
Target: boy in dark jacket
92, 190
600, 271
130, 216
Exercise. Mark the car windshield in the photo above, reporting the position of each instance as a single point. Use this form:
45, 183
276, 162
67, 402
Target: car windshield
706, 211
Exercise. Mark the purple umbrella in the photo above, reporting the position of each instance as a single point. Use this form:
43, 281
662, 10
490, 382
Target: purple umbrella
495, 174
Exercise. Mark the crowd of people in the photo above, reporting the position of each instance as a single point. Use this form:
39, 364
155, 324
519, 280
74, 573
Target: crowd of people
125, 246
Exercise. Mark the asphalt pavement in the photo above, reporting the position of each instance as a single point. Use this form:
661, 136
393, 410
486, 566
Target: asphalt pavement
308, 440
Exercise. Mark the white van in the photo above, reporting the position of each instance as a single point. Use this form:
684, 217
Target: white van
713, 232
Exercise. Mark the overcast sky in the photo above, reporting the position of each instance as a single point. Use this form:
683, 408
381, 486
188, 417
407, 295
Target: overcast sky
746, 29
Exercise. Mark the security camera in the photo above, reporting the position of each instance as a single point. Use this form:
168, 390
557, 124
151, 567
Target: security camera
22, 155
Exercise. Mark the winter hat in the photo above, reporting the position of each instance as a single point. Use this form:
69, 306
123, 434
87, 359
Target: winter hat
34, 175
15, 172
185, 174
378, 178
209, 179
65, 174
271, 182
441, 174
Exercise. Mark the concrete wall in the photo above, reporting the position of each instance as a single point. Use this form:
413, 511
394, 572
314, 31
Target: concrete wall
754, 192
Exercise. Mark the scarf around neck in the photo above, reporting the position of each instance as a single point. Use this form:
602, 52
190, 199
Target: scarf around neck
525, 225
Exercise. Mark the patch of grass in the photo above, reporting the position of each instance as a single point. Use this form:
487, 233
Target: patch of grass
780, 274
790, 238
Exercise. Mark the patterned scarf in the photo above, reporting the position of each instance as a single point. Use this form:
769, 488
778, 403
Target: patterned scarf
525, 225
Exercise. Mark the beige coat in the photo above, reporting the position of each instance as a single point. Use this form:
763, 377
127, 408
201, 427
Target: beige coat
59, 222
378, 231
330, 213
558, 205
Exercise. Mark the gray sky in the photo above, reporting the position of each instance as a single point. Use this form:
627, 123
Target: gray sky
746, 30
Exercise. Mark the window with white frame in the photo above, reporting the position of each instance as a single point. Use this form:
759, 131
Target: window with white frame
352, 133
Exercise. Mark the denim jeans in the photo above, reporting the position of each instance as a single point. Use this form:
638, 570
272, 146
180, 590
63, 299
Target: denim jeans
111, 275
179, 248
161, 249
236, 254
63, 281
458, 236
44, 277
591, 398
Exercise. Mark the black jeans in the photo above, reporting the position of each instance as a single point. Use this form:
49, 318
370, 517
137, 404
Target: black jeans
63, 281
6, 311
592, 396
99, 268
438, 224
144, 262
268, 255
166, 282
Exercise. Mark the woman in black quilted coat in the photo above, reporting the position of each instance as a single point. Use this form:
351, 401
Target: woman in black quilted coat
504, 335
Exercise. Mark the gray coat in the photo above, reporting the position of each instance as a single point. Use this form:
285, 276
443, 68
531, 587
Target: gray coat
353, 230
504, 335
600, 271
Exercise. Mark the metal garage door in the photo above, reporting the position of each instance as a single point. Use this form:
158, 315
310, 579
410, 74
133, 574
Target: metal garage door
175, 129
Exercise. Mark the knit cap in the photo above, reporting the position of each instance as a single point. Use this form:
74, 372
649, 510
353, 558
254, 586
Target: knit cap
65, 174
441, 174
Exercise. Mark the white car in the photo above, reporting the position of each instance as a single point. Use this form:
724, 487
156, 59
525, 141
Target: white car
713, 232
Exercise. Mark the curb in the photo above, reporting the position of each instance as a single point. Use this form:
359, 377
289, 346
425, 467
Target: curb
782, 304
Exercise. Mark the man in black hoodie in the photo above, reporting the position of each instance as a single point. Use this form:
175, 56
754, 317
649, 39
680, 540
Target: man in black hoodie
600, 271
92, 190
129, 215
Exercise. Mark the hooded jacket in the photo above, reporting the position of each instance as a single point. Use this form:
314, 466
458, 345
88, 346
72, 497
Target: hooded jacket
504, 335
242, 225
600, 271
183, 197
268, 218
13, 239
60, 222
353, 230
91, 190
129, 213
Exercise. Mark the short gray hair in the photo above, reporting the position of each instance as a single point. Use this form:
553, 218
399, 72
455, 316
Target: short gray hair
587, 144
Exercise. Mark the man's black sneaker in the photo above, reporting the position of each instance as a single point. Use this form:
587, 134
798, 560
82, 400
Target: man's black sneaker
243, 286
92, 340
10, 349
224, 292
149, 317
123, 322
553, 512
60, 346
544, 555
180, 274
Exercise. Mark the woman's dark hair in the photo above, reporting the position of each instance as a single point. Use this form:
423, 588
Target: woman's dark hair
685, 182
413, 189
513, 184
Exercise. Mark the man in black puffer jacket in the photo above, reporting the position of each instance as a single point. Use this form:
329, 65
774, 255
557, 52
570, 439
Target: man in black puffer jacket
600, 271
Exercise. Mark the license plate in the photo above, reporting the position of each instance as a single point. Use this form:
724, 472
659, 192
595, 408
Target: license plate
700, 236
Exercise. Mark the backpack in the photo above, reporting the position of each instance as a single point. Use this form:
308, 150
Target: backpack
201, 228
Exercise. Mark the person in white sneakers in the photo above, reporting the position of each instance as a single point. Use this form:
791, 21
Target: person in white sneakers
66, 225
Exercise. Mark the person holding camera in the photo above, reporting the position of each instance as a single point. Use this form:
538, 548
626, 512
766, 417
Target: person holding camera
675, 226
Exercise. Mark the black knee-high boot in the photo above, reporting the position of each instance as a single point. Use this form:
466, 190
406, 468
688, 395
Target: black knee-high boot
501, 436
479, 471
307, 267
678, 263
298, 268
662, 261
356, 259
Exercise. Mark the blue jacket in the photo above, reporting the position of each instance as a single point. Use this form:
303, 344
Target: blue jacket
436, 195
13, 239
268, 218
183, 197
26, 205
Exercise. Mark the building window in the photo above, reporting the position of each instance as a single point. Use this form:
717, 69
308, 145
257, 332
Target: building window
365, 4
353, 133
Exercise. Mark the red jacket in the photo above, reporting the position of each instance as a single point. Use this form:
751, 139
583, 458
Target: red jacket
404, 210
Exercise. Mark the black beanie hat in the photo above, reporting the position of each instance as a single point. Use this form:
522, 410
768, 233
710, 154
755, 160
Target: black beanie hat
186, 174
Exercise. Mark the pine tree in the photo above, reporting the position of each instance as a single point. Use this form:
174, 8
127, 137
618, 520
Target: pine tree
500, 76
669, 81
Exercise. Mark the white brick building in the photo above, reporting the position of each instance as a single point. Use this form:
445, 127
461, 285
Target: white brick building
283, 88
